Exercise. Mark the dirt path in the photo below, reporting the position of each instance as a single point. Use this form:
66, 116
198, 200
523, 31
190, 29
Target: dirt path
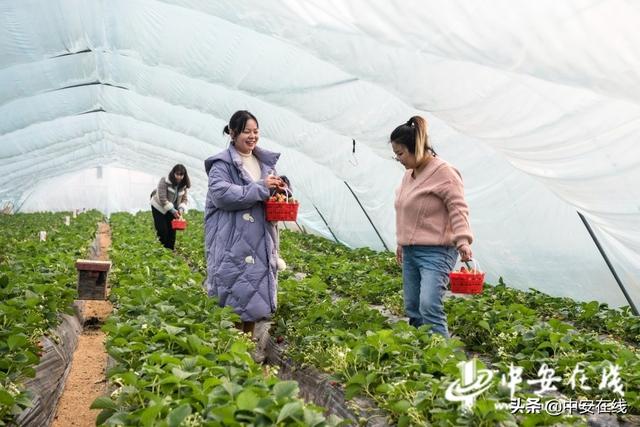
87, 379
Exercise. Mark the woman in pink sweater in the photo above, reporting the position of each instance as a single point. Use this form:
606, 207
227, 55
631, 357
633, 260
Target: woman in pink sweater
432, 224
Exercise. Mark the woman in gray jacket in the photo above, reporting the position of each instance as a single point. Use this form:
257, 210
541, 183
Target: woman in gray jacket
168, 202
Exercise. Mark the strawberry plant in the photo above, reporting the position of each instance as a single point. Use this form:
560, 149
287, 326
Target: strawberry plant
179, 360
326, 322
37, 284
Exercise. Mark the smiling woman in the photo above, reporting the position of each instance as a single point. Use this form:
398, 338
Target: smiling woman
241, 245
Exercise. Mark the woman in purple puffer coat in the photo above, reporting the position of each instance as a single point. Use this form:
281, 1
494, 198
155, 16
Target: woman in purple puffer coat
241, 246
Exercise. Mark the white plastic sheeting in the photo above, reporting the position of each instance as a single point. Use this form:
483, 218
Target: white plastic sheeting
107, 188
535, 102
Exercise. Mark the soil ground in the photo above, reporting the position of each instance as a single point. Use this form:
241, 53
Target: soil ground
87, 378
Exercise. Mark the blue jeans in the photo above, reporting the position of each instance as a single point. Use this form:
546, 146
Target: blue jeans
425, 274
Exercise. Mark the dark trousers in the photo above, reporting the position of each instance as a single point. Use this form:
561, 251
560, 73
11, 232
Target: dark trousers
166, 234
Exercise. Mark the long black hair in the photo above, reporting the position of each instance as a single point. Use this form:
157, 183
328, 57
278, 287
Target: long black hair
186, 182
238, 122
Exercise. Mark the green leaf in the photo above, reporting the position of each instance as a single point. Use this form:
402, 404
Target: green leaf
175, 417
238, 347
245, 417
247, 400
104, 416
543, 345
129, 378
290, 410
286, 389
170, 379
118, 419
358, 378
149, 415
313, 418
371, 377
351, 390
103, 402
402, 406
210, 383
404, 421
6, 398
224, 414
173, 330
25, 400
484, 325
183, 375
4, 281
194, 341
383, 388
17, 340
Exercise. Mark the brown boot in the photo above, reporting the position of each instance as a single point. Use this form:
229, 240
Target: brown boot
248, 328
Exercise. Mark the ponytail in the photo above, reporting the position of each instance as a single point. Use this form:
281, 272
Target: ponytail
413, 135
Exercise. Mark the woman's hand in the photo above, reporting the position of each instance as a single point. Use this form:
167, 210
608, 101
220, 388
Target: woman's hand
177, 214
465, 252
272, 181
399, 255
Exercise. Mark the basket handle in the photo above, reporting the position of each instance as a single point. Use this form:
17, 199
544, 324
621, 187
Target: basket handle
287, 193
476, 264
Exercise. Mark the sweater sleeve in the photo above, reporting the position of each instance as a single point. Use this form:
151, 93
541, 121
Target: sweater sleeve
232, 197
183, 201
452, 193
162, 195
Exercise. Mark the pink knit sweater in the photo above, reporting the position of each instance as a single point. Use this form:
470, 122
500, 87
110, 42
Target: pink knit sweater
430, 208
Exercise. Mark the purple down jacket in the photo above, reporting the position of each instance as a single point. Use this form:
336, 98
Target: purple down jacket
240, 245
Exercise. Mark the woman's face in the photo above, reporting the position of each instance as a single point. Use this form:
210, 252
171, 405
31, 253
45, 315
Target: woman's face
178, 176
246, 140
403, 155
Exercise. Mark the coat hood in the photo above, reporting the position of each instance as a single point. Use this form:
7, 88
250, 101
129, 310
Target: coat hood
231, 156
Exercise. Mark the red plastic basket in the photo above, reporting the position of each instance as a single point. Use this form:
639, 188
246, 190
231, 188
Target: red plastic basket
281, 211
466, 282
179, 224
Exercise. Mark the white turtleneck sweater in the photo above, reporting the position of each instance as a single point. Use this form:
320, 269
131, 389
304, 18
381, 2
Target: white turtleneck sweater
251, 165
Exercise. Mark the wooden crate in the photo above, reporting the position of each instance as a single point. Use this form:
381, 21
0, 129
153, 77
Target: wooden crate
92, 279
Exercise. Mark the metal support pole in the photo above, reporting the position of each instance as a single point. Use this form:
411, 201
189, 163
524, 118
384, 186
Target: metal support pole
301, 227
634, 309
366, 214
327, 224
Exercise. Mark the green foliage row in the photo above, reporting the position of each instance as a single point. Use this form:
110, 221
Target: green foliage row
587, 316
190, 242
326, 316
376, 278
502, 325
179, 360
327, 324
37, 283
